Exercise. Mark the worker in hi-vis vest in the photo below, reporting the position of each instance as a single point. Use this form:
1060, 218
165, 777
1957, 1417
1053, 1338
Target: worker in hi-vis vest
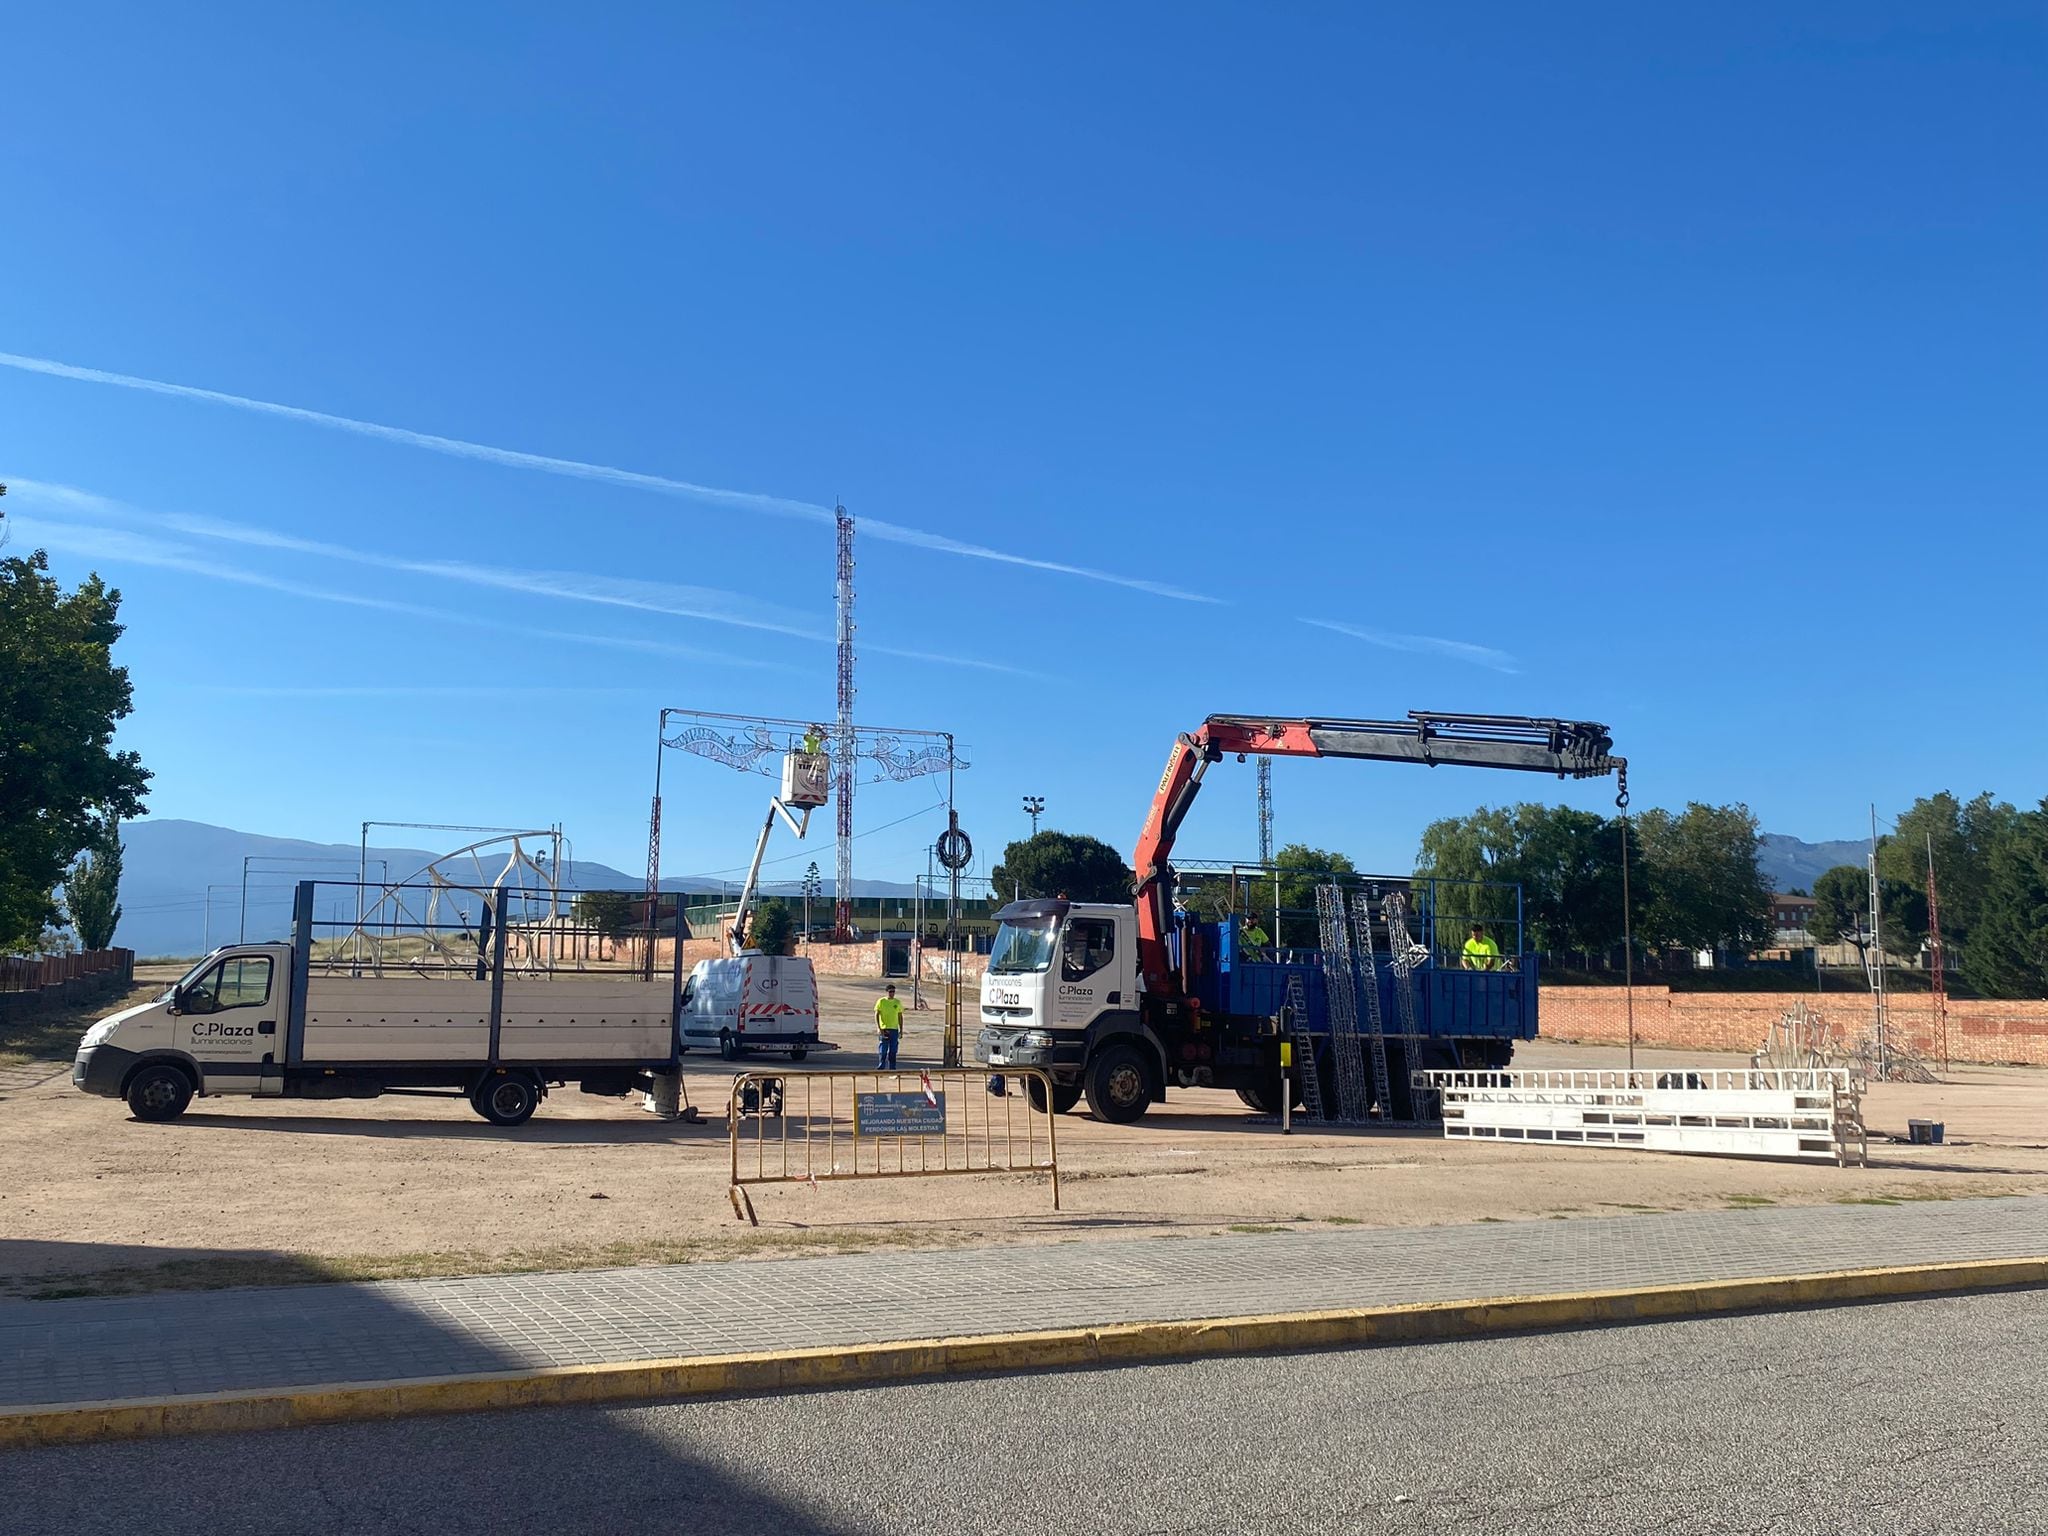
1252, 939
1481, 953
889, 1025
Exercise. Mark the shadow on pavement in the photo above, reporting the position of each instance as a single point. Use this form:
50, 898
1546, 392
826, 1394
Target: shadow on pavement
543, 1470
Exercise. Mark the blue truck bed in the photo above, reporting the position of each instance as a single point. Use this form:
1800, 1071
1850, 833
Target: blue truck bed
1449, 1004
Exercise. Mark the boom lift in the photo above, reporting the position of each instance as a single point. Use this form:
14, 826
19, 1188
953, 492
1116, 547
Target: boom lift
1124, 1019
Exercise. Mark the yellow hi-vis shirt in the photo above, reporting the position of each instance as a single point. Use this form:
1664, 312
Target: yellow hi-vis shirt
889, 1014
1481, 954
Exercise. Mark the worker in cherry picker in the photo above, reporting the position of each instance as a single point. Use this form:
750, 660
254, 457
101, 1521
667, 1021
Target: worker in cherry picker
1481, 953
814, 741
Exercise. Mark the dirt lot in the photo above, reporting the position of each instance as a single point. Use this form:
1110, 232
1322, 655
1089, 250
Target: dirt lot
242, 1192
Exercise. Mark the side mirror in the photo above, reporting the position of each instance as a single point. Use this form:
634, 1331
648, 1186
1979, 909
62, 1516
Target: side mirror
177, 1004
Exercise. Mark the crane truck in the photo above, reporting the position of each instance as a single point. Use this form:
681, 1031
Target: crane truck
1120, 1004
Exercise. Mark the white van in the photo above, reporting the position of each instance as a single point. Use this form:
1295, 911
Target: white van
752, 1002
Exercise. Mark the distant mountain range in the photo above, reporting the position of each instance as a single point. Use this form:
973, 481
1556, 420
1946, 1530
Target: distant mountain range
1792, 865
182, 882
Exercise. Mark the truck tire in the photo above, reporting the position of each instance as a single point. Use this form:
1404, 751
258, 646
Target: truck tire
507, 1100
1064, 1095
1118, 1086
159, 1092
1264, 1101
799, 1052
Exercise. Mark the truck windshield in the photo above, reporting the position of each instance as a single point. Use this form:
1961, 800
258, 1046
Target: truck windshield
1022, 947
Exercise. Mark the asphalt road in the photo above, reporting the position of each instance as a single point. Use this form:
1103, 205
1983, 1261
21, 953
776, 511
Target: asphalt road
1918, 1416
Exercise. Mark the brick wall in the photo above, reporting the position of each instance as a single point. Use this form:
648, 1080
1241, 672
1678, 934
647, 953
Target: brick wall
1994, 1033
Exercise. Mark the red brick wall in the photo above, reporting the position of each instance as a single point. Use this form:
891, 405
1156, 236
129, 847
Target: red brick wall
1993, 1033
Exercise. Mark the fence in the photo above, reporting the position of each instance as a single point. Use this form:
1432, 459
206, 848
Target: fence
810, 1127
1809, 1113
32, 974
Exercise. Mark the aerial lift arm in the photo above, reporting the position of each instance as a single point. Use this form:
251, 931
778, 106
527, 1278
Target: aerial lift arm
1568, 748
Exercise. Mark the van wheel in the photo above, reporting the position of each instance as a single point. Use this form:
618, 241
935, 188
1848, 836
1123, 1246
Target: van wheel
159, 1093
508, 1100
799, 1052
1118, 1088
728, 1048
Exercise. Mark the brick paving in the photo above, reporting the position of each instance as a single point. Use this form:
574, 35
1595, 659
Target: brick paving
86, 1350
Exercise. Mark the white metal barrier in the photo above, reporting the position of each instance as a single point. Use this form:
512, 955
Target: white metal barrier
1811, 1113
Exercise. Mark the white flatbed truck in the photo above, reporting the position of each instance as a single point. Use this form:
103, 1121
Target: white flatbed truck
495, 1019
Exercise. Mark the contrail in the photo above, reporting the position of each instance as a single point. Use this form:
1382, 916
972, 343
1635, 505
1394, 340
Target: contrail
1460, 650
754, 501
667, 598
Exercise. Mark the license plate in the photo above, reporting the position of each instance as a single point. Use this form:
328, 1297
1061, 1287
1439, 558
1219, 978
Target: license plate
998, 1059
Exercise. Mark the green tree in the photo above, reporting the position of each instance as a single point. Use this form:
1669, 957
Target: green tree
771, 926
1085, 868
1302, 868
60, 698
92, 891
2009, 947
1841, 899
1567, 862
1706, 890
611, 913
1962, 836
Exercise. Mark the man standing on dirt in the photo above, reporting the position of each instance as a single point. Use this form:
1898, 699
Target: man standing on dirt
889, 1025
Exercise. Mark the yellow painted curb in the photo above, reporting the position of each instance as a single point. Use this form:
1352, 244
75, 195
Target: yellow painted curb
868, 1364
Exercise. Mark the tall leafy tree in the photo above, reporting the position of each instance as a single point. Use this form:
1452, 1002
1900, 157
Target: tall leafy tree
92, 891
60, 698
1962, 836
1086, 868
2009, 948
611, 913
1706, 888
1841, 906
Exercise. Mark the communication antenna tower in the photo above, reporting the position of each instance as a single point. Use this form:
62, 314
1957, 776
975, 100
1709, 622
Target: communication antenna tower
1265, 810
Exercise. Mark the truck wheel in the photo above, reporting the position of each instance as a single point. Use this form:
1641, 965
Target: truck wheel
799, 1052
508, 1100
1265, 1102
1064, 1095
728, 1048
158, 1093
1118, 1088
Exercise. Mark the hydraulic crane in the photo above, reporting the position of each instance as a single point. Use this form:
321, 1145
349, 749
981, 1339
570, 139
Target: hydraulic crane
1570, 749
1091, 993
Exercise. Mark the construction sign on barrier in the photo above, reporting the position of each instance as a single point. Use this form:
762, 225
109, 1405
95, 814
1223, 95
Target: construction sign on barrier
809, 1127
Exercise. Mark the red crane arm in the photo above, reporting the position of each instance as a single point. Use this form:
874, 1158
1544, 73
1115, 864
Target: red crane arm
1569, 749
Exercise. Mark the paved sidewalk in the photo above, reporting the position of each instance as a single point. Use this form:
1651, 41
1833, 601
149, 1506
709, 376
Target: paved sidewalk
57, 1352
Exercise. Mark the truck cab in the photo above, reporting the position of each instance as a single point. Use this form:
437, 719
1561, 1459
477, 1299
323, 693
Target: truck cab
216, 1029
1061, 994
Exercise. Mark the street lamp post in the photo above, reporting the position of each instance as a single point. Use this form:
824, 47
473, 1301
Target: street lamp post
1034, 807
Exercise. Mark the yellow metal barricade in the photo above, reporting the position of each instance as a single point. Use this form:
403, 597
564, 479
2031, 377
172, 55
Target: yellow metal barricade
807, 1127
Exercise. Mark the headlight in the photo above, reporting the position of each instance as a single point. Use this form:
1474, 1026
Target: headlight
97, 1034
1034, 1040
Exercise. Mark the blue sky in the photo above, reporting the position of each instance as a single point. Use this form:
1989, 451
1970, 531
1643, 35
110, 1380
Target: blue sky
1677, 367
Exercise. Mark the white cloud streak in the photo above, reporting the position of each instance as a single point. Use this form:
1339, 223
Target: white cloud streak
511, 458
1431, 645
666, 598
121, 545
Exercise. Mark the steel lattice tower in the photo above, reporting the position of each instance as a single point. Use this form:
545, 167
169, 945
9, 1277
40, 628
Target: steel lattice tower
843, 743
1265, 811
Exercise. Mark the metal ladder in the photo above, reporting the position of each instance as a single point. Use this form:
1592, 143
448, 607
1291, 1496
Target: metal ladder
1376, 1025
1304, 1047
1852, 1140
1340, 984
